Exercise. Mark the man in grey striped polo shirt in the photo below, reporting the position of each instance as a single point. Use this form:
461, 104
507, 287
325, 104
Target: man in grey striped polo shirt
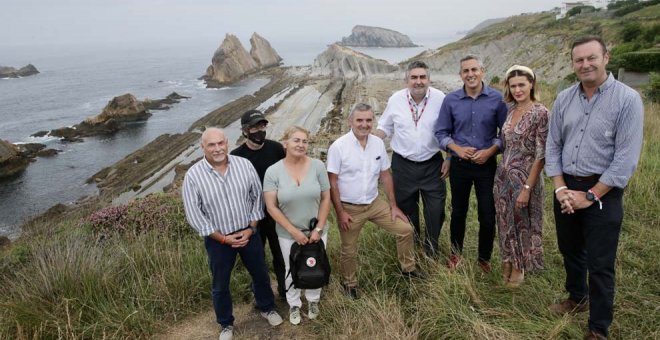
222, 197
594, 143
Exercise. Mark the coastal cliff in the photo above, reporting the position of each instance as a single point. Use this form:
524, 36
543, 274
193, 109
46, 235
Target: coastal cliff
369, 36
231, 62
342, 62
10, 72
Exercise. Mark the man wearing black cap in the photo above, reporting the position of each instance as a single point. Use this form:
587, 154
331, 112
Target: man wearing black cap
263, 153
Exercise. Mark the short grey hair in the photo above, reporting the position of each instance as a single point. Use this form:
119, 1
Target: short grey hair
360, 107
470, 57
416, 64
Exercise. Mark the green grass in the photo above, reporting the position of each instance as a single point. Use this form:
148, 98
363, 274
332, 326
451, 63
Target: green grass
62, 280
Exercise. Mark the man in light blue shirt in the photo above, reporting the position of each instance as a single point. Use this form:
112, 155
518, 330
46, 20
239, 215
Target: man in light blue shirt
594, 143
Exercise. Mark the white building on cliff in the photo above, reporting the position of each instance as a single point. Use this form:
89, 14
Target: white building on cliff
568, 5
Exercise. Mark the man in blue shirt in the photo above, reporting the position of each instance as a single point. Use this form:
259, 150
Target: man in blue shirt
593, 147
468, 128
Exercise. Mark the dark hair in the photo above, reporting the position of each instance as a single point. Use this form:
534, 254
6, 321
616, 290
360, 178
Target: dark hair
588, 39
416, 64
508, 96
360, 107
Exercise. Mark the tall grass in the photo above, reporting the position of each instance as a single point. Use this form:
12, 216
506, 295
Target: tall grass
70, 283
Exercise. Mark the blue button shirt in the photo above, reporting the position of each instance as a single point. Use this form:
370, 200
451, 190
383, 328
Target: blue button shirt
466, 121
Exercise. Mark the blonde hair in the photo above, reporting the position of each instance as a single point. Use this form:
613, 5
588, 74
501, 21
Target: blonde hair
293, 129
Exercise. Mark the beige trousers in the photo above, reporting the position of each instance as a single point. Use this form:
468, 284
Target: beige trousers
379, 213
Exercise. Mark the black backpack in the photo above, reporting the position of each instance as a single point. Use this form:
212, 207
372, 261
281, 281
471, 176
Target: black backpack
308, 264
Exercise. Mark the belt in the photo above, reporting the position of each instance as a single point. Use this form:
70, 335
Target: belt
420, 162
355, 204
591, 178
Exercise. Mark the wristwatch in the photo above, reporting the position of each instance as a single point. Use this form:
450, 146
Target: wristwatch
590, 196
526, 186
319, 230
254, 229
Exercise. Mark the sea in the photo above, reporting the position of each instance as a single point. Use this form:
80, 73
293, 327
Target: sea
77, 80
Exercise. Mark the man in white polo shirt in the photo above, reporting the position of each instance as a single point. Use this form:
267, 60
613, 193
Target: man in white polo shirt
355, 163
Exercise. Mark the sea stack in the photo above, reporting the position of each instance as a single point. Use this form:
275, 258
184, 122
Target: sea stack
231, 62
261, 51
343, 62
369, 36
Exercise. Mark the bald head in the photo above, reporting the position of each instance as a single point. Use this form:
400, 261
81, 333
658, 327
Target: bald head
214, 145
212, 133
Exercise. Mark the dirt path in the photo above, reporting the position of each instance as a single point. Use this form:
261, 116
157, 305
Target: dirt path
248, 325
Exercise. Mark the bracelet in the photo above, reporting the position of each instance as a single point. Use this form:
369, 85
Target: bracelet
563, 187
222, 241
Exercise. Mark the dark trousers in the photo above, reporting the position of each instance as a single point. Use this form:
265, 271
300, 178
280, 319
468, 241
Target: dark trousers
412, 179
222, 258
268, 233
462, 175
588, 241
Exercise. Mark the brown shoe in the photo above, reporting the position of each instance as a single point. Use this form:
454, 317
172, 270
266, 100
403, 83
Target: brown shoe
506, 271
593, 335
516, 279
568, 306
454, 261
485, 266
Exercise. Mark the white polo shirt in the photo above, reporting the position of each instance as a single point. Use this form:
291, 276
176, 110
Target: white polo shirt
415, 142
357, 169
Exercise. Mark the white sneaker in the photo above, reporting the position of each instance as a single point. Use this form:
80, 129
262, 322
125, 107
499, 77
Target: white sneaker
294, 315
273, 318
313, 311
227, 333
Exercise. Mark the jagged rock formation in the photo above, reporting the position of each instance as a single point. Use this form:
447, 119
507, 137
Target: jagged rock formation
232, 62
343, 62
261, 51
15, 158
10, 72
120, 110
368, 36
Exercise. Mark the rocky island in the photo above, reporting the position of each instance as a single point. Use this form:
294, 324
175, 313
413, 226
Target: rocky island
120, 110
369, 36
11, 72
232, 62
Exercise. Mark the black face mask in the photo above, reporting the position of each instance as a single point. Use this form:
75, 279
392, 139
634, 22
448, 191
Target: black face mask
258, 137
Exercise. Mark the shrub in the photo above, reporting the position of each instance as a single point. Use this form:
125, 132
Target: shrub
631, 31
642, 61
154, 212
652, 90
579, 10
495, 80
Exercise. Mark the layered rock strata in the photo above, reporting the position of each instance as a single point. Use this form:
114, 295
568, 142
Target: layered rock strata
231, 62
369, 36
10, 72
342, 62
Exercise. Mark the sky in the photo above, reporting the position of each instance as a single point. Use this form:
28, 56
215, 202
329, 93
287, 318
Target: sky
43, 22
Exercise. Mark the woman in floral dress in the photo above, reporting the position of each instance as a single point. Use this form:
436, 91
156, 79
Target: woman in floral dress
518, 186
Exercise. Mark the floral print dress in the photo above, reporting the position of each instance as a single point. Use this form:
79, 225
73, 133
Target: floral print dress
521, 230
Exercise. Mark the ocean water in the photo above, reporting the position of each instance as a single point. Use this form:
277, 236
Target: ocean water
76, 82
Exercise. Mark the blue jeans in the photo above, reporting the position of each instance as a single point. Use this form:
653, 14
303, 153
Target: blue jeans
222, 258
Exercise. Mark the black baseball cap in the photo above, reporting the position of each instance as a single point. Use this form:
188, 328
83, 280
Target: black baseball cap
252, 118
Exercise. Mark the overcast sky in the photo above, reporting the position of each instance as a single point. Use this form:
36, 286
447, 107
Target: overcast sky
35, 22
